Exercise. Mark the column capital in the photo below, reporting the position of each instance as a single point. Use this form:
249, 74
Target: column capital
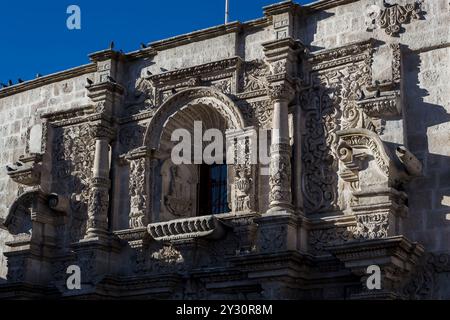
281, 91
102, 130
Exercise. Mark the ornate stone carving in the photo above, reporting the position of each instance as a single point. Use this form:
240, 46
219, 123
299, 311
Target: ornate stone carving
201, 95
393, 16
331, 104
97, 208
383, 107
204, 226
138, 193
243, 185
396, 62
73, 158
168, 255
254, 78
372, 226
280, 174
319, 239
27, 170
281, 91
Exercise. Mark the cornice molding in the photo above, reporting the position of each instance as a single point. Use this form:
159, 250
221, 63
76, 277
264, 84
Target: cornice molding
232, 27
326, 4
48, 79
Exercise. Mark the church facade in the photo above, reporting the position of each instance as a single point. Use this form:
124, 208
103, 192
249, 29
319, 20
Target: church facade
350, 101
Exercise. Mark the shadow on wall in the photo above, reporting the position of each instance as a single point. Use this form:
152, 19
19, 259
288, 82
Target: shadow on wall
310, 27
429, 196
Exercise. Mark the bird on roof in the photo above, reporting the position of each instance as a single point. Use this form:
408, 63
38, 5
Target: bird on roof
10, 83
89, 81
111, 79
143, 45
163, 69
174, 91
38, 75
19, 80
3, 85
111, 45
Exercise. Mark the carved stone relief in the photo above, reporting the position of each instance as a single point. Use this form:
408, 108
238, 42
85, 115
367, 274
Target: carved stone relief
179, 191
393, 16
329, 105
72, 164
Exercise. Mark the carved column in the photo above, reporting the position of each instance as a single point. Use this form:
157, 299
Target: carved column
280, 151
98, 203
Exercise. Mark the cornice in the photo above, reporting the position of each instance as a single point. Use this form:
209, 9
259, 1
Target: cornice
280, 7
232, 27
326, 4
48, 79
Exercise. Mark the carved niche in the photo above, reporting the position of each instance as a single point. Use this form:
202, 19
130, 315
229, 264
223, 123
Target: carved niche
179, 191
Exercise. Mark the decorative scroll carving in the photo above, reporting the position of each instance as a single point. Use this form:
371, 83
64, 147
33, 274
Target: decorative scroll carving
393, 16
223, 85
329, 105
255, 73
204, 226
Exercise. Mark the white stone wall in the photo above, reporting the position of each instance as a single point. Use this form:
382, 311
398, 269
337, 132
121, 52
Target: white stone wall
18, 113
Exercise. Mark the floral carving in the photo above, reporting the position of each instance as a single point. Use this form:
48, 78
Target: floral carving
255, 75
372, 226
169, 255
138, 193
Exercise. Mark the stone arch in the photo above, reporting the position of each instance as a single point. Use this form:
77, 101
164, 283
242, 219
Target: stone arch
191, 100
18, 221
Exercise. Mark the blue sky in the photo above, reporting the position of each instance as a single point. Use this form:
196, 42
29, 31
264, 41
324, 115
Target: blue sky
35, 38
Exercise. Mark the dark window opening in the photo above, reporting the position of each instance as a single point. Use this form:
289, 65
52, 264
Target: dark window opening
213, 189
